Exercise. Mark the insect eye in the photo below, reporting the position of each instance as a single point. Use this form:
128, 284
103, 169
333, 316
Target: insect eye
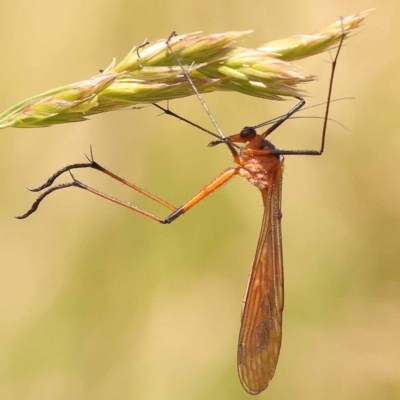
248, 132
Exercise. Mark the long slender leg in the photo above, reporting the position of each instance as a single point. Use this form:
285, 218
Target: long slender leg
299, 105
96, 166
285, 117
295, 109
220, 180
276, 122
189, 79
167, 111
235, 154
328, 103
177, 212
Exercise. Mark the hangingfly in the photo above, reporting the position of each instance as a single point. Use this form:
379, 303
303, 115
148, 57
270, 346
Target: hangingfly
261, 163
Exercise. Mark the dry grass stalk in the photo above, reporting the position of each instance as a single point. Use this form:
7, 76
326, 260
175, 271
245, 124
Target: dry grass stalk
149, 74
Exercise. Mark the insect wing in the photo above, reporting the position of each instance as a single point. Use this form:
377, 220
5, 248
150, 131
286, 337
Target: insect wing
261, 325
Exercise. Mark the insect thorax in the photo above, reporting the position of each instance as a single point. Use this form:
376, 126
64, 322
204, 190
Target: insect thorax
260, 170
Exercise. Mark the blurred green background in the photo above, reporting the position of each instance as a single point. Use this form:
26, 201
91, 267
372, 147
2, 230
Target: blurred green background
101, 303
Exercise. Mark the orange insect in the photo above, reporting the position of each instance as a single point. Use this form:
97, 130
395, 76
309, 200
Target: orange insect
261, 163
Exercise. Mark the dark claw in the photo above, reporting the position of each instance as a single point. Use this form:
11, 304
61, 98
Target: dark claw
215, 142
37, 202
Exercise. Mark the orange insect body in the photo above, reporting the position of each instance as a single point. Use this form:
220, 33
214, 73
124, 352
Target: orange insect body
261, 323
259, 170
